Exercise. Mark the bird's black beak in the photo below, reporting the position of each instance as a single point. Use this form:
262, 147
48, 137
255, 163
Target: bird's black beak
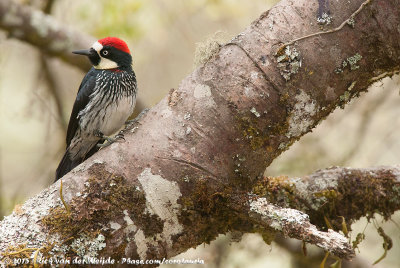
85, 52
90, 53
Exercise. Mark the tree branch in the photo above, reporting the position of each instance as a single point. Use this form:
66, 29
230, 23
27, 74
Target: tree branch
296, 224
42, 31
187, 170
50, 79
337, 192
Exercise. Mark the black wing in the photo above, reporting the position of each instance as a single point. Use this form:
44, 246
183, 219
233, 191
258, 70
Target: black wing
82, 99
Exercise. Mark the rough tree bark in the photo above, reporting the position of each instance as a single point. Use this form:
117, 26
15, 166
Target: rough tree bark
192, 167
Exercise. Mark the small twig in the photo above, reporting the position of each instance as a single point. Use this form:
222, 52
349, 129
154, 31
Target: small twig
322, 265
385, 247
20, 251
344, 226
62, 199
329, 31
35, 264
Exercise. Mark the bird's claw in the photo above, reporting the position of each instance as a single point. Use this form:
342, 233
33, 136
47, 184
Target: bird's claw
107, 143
132, 121
120, 136
111, 140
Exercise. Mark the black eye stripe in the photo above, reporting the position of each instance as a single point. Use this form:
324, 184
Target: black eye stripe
94, 57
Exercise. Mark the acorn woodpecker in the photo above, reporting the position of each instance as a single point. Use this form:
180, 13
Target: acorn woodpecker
105, 100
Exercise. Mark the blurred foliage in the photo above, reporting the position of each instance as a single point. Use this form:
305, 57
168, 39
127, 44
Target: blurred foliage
113, 18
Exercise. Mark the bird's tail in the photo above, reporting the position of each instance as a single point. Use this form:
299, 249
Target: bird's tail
65, 166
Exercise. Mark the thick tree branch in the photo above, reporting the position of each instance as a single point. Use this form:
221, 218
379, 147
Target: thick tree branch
186, 172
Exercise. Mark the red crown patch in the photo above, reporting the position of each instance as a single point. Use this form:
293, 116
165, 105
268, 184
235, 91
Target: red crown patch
115, 42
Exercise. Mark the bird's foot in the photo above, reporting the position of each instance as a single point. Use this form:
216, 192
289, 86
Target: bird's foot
108, 140
130, 122
111, 140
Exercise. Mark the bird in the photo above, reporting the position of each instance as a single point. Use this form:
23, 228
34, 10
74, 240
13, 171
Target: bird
105, 100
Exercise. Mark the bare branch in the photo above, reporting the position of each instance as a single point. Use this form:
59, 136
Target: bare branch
41, 30
51, 79
347, 21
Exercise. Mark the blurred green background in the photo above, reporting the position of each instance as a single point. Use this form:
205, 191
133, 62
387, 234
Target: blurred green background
163, 35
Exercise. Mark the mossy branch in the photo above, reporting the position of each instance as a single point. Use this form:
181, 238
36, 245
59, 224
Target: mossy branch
332, 198
296, 224
339, 195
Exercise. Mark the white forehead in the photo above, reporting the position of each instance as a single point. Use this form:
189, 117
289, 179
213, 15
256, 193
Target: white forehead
97, 46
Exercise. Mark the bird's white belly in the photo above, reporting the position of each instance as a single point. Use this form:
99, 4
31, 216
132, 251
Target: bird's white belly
115, 116
107, 120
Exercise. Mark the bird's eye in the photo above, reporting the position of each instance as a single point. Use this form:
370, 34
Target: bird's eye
104, 52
